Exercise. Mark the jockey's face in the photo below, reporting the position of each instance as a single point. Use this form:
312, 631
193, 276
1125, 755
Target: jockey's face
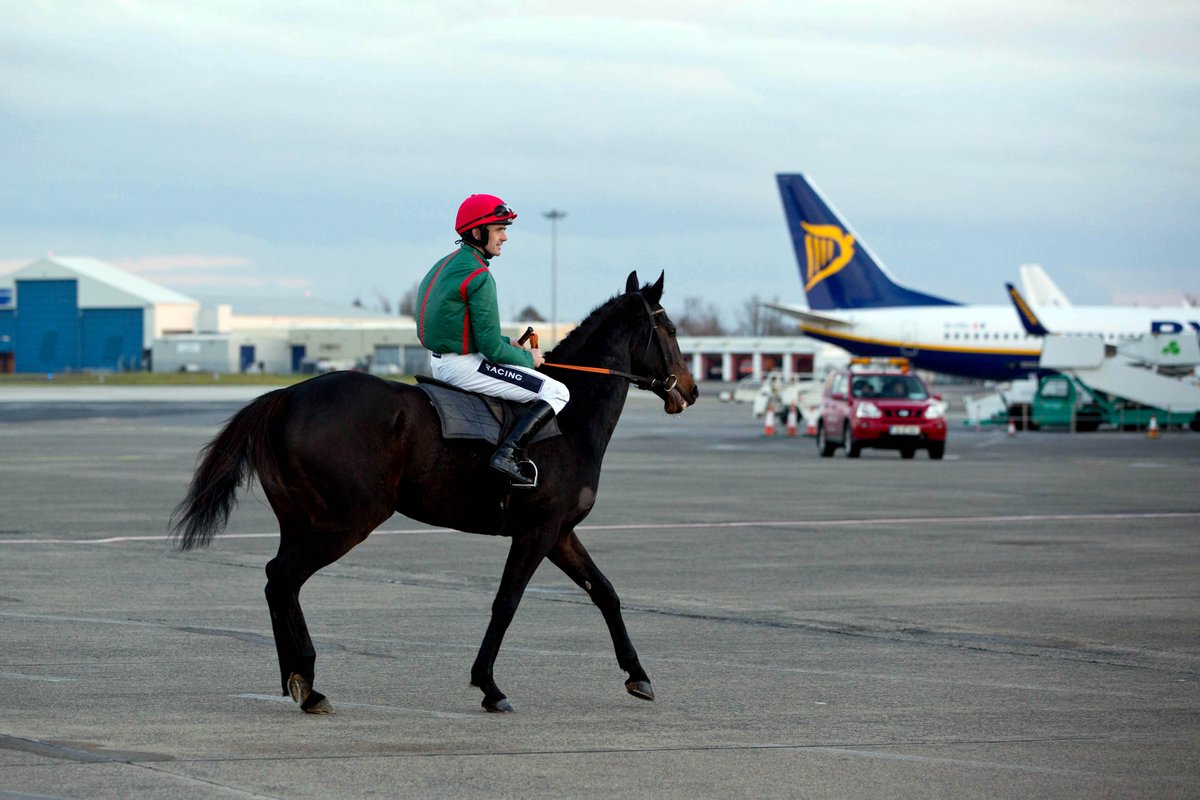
496, 237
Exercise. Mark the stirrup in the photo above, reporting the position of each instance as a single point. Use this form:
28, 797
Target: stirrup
525, 466
524, 480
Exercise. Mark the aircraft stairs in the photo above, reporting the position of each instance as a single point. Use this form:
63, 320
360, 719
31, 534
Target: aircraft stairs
1154, 370
1157, 371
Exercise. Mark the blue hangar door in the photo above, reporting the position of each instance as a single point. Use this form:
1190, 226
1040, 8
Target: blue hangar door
111, 338
46, 338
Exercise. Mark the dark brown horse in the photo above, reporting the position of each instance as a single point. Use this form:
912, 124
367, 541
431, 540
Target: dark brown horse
338, 454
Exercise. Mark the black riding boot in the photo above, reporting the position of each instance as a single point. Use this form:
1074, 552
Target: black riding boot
507, 456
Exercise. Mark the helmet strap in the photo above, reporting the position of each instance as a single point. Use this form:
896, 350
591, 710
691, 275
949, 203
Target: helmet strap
472, 237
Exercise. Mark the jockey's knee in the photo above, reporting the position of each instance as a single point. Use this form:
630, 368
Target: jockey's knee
556, 394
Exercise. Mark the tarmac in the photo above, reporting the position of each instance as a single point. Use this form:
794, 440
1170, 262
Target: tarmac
1018, 620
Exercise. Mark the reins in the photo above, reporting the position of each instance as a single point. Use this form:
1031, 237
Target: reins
640, 381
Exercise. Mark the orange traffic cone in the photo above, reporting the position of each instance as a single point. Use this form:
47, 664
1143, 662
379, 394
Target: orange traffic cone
810, 428
1152, 430
791, 420
769, 426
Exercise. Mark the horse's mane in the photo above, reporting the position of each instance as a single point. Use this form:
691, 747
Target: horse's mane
574, 341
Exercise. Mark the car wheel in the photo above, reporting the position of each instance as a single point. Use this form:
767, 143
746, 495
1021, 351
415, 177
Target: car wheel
825, 447
907, 452
937, 450
853, 450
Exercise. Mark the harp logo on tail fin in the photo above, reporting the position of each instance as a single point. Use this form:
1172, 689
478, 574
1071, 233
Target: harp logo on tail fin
828, 249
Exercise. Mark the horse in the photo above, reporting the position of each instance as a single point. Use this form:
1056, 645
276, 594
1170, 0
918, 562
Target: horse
338, 454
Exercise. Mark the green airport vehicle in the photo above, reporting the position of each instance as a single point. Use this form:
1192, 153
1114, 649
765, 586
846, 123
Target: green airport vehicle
1064, 401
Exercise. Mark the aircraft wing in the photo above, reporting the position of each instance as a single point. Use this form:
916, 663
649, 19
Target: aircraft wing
807, 315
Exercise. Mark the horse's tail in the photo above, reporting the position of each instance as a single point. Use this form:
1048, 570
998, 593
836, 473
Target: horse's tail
241, 450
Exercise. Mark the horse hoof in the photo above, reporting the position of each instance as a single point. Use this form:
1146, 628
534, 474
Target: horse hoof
317, 703
310, 701
640, 689
298, 687
501, 706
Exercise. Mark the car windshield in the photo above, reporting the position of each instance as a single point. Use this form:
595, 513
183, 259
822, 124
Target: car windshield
889, 387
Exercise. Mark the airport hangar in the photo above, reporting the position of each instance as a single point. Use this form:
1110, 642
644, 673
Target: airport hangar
63, 314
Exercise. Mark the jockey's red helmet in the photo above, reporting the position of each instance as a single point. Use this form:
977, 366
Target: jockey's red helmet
482, 209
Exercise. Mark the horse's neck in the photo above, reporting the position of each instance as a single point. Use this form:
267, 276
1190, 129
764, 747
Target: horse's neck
596, 400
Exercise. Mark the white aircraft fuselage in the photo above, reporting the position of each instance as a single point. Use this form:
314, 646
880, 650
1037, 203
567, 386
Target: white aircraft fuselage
854, 303
979, 341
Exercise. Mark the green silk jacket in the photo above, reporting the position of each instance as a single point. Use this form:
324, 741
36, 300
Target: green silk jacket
457, 310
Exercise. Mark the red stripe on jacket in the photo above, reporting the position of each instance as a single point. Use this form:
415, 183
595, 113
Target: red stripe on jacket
462, 290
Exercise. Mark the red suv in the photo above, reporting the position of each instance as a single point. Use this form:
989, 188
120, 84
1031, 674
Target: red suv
880, 404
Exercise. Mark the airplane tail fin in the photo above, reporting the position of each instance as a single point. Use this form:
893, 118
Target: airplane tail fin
1029, 320
1040, 289
836, 268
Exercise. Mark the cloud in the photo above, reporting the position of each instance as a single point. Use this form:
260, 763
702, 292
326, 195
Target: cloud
327, 143
212, 281
152, 264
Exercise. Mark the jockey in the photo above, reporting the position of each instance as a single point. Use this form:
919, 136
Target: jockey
458, 321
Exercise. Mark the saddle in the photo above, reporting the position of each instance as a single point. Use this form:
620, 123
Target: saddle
467, 415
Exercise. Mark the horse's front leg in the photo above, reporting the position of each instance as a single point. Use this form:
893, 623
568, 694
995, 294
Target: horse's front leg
524, 556
569, 555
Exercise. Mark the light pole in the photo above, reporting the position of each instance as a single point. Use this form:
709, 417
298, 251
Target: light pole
554, 215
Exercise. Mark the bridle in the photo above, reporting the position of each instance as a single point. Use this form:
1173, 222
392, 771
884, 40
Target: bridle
640, 381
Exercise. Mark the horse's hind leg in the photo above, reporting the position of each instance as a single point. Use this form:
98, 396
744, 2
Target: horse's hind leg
298, 558
569, 555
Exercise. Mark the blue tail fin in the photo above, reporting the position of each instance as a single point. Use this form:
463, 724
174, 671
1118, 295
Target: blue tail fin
836, 268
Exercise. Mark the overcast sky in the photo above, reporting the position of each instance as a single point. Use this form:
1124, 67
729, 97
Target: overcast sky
302, 148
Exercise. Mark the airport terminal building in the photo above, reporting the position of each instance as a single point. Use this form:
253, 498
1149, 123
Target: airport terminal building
68, 314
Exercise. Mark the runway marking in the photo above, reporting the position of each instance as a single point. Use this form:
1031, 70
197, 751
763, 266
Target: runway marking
950, 762
26, 677
274, 698
848, 749
858, 522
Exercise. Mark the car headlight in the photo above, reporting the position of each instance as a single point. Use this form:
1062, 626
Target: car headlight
935, 410
867, 409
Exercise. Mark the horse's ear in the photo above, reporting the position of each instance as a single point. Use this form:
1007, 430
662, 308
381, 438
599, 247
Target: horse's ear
653, 294
631, 283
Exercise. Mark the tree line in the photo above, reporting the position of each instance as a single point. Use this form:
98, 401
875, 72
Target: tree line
697, 318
